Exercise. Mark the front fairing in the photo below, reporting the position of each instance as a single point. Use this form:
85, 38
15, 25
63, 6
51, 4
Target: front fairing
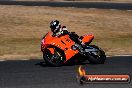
62, 42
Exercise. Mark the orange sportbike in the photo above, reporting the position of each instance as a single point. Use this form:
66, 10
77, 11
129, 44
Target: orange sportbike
57, 51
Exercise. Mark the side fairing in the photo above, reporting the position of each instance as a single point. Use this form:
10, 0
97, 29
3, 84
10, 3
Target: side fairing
63, 42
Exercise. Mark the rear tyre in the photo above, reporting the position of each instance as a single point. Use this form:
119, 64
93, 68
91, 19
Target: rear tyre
99, 58
56, 59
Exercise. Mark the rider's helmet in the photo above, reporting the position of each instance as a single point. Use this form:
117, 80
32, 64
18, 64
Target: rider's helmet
55, 26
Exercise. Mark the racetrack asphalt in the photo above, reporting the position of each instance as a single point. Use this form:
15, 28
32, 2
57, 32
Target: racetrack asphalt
99, 5
36, 74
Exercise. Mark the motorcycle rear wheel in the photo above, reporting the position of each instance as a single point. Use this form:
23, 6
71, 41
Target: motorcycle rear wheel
56, 59
99, 58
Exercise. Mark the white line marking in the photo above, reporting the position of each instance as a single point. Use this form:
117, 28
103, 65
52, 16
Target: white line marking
92, 8
24, 59
119, 55
108, 56
122, 55
2, 60
129, 10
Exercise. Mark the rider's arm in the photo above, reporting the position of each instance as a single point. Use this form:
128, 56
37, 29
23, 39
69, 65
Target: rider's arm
64, 30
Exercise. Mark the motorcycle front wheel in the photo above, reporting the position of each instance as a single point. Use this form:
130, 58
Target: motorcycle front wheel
56, 59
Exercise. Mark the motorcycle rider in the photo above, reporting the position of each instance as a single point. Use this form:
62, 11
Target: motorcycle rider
59, 30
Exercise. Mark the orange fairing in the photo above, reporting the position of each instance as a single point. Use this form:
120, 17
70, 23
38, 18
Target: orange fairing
87, 38
62, 42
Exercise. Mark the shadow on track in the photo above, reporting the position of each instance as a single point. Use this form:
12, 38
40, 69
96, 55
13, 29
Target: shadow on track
72, 62
76, 60
43, 64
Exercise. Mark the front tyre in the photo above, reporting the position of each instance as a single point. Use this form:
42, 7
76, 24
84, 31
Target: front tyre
56, 59
99, 57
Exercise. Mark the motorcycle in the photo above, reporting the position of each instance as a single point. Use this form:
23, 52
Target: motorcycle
57, 51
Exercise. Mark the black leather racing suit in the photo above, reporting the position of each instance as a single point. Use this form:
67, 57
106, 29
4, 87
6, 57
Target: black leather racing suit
73, 36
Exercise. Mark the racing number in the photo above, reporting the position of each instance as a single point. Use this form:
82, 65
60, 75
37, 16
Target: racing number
65, 41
